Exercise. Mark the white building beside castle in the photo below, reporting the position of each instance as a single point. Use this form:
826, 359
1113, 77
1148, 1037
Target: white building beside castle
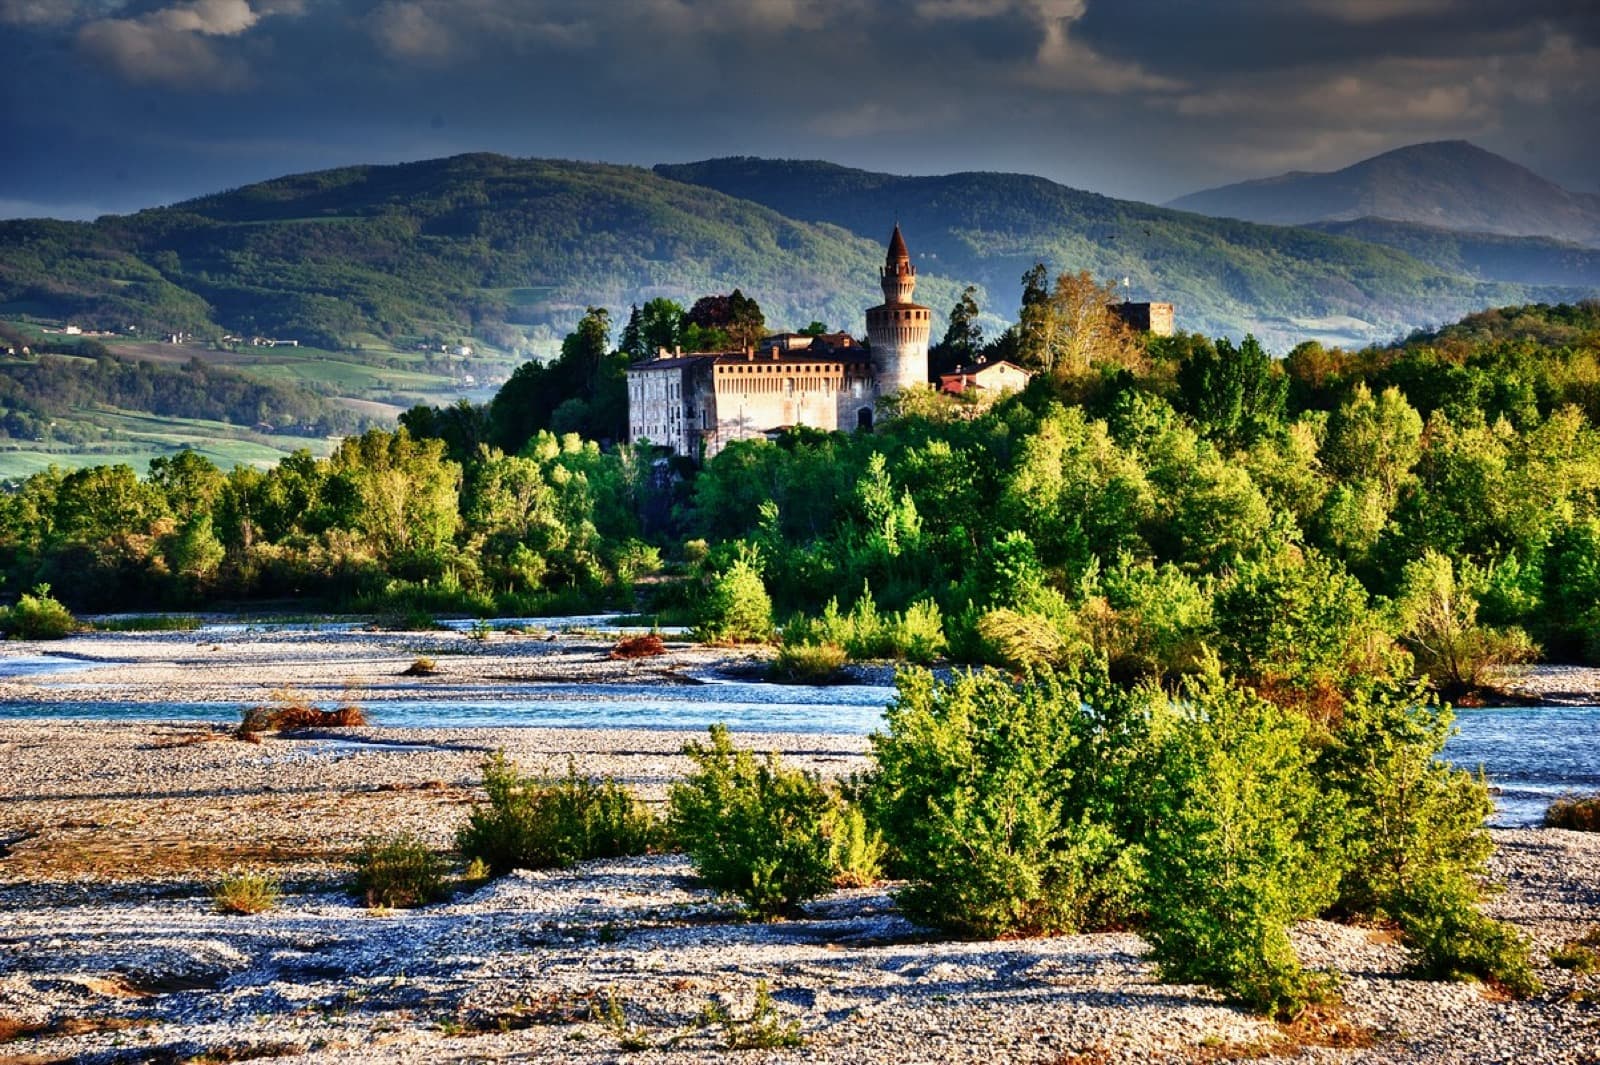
697, 403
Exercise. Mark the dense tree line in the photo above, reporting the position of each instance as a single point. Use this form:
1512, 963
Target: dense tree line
1433, 505
1428, 507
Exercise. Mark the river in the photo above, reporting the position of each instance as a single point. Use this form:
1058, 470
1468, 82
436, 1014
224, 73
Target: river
1531, 755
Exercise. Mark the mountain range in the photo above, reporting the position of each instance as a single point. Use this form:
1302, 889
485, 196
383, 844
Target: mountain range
512, 250
1444, 184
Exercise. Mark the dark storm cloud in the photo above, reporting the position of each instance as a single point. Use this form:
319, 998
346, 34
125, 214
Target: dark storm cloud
130, 102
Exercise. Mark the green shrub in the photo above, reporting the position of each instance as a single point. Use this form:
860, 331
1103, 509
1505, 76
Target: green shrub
1580, 813
1576, 956
858, 849
37, 616
245, 893
764, 1029
756, 829
1238, 844
1451, 939
1407, 816
919, 632
737, 608
808, 663
1438, 619
1299, 627
399, 871
528, 823
1415, 846
1154, 622
997, 800
865, 633
1027, 641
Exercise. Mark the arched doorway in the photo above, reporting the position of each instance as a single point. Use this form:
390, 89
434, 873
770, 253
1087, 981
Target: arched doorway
864, 418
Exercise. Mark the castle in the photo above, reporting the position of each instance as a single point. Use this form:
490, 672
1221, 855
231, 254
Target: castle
696, 404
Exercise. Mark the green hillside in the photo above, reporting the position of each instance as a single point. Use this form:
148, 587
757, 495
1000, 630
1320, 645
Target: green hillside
1486, 256
1225, 276
507, 250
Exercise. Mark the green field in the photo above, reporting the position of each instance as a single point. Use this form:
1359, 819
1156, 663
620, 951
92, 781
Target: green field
377, 380
363, 374
135, 439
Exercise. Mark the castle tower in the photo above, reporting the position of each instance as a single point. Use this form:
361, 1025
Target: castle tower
899, 329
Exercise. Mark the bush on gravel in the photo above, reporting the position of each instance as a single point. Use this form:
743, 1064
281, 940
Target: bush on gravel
531, 823
755, 828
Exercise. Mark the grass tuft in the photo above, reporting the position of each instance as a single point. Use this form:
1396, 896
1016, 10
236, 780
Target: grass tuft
245, 893
399, 872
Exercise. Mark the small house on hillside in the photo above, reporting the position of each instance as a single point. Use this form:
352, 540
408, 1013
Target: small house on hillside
989, 377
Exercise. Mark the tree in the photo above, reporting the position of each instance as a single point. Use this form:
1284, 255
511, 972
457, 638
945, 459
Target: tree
963, 339
1234, 394
746, 323
633, 343
1000, 799
1033, 319
660, 326
1438, 619
1082, 330
735, 315
586, 371
189, 481
1240, 845
400, 494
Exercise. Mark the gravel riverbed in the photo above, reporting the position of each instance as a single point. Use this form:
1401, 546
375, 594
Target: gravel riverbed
112, 833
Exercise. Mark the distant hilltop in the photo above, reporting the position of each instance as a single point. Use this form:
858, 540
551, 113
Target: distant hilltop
1451, 185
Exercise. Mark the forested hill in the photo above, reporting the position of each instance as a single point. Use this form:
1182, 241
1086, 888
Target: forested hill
512, 250
504, 249
1225, 276
1487, 256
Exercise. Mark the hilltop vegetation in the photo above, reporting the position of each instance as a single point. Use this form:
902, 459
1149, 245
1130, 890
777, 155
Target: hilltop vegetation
1486, 256
483, 245
512, 250
37, 391
1327, 517
1226, 277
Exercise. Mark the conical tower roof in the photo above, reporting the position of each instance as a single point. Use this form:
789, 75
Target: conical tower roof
897, 248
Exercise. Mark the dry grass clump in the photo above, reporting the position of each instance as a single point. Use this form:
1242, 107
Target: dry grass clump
292, 711
245, 893
1580, 813
646, 646
422, 667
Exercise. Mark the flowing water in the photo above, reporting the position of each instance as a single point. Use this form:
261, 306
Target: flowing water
1530, 754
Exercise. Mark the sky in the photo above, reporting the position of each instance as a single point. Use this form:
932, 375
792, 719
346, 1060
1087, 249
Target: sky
113, 105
